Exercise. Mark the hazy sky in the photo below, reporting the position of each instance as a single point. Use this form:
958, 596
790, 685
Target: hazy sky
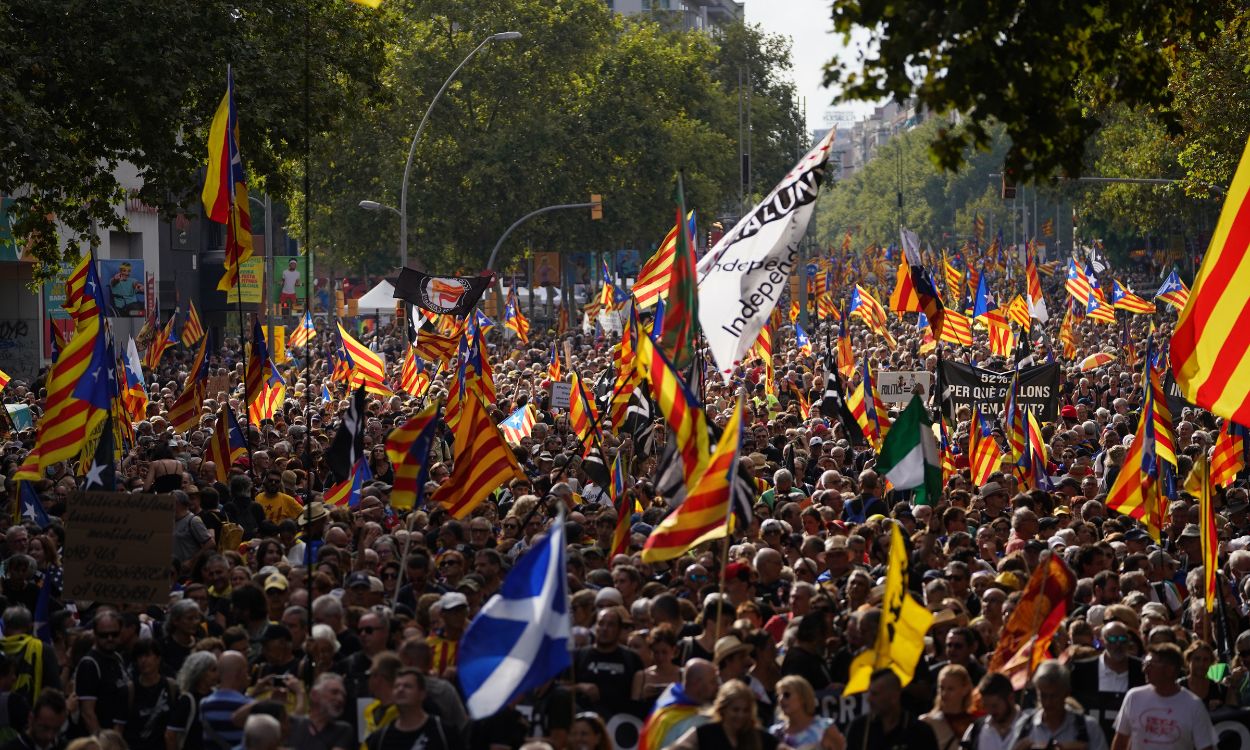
808, 24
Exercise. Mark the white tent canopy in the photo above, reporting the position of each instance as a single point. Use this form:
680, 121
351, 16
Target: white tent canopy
381, 298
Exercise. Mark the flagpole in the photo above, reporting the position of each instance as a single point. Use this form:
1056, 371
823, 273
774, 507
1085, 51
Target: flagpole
307, 248
403, 558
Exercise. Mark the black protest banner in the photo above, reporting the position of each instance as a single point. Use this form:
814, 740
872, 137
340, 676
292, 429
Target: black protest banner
1176, 400
965, 385
445, 295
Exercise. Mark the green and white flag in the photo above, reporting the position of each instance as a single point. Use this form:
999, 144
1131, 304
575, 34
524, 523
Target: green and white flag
909, 455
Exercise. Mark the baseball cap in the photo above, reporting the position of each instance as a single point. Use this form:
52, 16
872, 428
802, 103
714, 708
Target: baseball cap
452, 600
358, 579
276, 582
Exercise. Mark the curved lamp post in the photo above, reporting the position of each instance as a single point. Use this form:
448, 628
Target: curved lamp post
503, 36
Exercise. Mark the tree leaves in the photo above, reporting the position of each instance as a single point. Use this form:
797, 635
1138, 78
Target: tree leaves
1041, 70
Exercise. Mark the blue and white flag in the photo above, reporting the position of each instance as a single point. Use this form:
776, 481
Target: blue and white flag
32, 508
520, 639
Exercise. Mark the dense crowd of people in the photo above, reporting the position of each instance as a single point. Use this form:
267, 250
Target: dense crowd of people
333, 628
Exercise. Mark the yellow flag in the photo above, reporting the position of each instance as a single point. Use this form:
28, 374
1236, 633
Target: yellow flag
277, 349
904, 621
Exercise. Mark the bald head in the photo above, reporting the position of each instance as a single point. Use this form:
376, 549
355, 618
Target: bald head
232, 671
700, 680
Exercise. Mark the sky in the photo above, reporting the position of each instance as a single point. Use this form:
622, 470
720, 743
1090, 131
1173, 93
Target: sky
808, 24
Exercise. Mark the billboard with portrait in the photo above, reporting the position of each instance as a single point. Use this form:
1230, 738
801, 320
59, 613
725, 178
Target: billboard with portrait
125, 292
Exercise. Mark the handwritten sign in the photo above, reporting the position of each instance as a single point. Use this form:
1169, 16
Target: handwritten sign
561, 395
118, 547
218, 384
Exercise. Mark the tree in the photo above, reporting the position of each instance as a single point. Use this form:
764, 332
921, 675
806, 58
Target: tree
83, 89
939, 206
585, 102
1043, 70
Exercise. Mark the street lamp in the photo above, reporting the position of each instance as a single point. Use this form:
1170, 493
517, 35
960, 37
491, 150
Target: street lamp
503, 36
375, 206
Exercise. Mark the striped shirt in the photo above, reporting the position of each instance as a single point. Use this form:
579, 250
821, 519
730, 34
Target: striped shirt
215, 711
443, 653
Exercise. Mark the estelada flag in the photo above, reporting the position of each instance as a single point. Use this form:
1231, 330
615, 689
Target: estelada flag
446, 295
1027, 633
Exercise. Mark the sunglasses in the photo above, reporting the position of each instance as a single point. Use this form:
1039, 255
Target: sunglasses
448, 564
1116, 639
368, 630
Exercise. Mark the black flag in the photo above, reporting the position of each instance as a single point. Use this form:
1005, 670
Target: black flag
833, 404
445, 295
349, 442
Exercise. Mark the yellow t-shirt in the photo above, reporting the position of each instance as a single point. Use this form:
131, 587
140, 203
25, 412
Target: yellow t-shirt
279, 507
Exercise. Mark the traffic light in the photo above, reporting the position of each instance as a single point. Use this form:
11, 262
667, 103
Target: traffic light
1009, 184
596, 207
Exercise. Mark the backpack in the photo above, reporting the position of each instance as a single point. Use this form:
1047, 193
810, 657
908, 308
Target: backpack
231, 536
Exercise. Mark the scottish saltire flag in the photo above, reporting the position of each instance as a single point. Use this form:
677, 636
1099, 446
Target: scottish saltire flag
520, 639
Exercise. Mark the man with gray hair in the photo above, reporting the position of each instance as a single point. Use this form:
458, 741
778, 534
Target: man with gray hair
783, 485
1054, 722
262, 732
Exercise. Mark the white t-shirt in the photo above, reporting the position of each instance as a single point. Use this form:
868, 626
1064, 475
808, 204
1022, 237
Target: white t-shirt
1153, 722
290, 279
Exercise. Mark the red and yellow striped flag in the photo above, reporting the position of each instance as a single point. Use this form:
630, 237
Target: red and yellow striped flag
954, 281
193, 329
622, 502
484, 461
984, 455
4, 379
583, 416
185, 413
365, 361
705, 513
1229, 457
433, 347
265, 404
956, 328
1211, 345
408, 448
302, 333
655, 274
682, 412
163, 339
904, 297
225, 187
226, 445
412, 376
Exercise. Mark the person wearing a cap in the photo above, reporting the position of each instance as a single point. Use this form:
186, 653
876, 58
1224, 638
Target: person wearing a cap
276, 595
444, 640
